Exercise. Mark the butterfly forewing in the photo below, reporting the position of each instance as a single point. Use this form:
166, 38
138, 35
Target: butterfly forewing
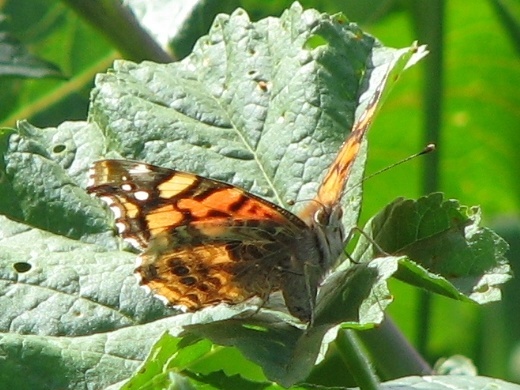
150, 201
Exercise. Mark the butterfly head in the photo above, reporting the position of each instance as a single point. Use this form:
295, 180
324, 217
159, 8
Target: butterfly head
325, 221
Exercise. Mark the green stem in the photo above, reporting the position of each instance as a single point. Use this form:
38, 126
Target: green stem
120, 26
357, 363
391, 353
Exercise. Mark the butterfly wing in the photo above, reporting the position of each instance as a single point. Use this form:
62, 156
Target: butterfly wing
197, 276
323, 214
332, 186
202, 241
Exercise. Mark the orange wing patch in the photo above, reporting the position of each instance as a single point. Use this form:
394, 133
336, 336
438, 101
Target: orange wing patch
334, 182
228, 202
163, 218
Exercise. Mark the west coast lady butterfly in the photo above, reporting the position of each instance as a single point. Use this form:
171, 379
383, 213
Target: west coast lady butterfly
204, 242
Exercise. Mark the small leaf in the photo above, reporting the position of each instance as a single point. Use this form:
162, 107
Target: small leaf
285, 353
154, 371
175, 360
448, 252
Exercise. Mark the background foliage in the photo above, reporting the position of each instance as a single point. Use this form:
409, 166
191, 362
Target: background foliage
475, 85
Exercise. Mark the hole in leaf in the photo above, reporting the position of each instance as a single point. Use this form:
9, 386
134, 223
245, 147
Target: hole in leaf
315, 41
22, 267
58, 148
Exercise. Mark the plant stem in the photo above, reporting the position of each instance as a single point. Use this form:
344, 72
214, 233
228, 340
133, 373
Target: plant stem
391, 353
117, 22
356, 361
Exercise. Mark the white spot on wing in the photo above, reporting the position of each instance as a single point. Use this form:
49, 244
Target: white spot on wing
139, 168
149, 290
107, 199
126, 187
164, 300
117, 211
181, 308
121, 227
132, 241
92, 176
144, 286
141, 195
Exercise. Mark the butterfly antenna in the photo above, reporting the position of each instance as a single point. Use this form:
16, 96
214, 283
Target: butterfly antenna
427, 149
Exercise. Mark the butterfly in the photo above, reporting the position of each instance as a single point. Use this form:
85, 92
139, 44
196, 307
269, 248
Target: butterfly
205, 242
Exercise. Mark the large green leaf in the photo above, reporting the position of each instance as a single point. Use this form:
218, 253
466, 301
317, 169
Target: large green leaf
478, 150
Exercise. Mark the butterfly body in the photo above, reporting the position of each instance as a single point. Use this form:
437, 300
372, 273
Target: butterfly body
204, 242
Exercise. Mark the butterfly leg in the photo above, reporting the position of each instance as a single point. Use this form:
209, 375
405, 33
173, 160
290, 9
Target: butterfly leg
354, 230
